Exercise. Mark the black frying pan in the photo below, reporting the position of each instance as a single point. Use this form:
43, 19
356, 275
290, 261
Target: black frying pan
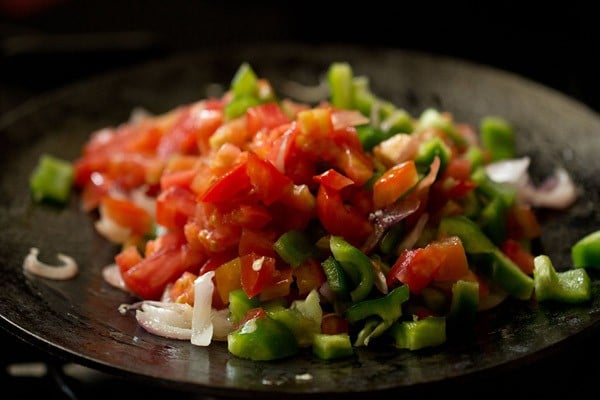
78, 319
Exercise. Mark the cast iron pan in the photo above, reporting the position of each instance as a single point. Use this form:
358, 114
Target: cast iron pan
78, 319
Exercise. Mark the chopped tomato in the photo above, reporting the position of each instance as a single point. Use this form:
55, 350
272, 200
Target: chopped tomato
280, 285
257, 273
127, 214
127, 258
269, 184
454, 264
182, 290
522, 223
174, 206
333, 180
394, 183
264, 116
257, 241
415, 268
332, 324
519, 255
228, 277
308, 276
232, 184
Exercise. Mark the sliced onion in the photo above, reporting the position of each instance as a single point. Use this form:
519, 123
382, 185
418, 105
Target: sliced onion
342, 119
428, 179
112, 231
112, 275
141, 199
397, 149
166, 319
409, 240
221, 323
380, 281
557, 191
67, 270
202, 326
386, 218
513, 171
139, 114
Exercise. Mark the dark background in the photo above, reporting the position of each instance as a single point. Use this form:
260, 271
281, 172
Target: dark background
48, 44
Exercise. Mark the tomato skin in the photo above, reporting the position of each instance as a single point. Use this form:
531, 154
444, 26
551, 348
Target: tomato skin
333, 180
257, 272
182, 290
341, 219
395, 182
234, 183
332, 324
270, 184
264, 116
454, 264
174, 207
414, 268
127, 258
127, 214
519, 255
257, 241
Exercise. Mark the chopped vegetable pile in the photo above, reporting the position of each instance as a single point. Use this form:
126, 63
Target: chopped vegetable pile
277, 226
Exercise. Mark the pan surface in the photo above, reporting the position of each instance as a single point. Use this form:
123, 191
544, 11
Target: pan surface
78, 319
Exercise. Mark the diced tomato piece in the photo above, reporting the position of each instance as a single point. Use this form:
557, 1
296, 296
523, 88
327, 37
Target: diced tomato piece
519, 255
231, 185
149, 277
332, 324
257, 241
522, 223
333, 180
280, 285
182, 290
265, 116
269, 184
451, 252
127, 258
228, 277
174, 207
394, 183
340, 218
127, 214
253, 313
257, 273
414, 268
308, 275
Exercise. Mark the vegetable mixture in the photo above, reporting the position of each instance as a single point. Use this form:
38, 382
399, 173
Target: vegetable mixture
277, 225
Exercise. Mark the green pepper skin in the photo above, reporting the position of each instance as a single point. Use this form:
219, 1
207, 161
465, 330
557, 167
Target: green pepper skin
51, 180
388, 308
464, 305
571, 286
498, 137
356, 264
331, 347
339, 77
239, 304
586, 252
336, 278
415, 335
294, 247
262, 339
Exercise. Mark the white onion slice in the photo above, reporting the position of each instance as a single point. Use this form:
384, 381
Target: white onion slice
409, 240
221, 323
111, 230
202, 326
513, 171
112, 275
170, 320
66, 270
342, 119
380, 282
557, 191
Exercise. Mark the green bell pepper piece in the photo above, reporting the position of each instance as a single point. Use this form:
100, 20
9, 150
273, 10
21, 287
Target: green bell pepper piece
356, 264
399, 121
571, 286
431, 118
336, 278
498, 137
372, 327
586, 252
370, 136
262, 339
492, 220
238, 106
245, 81
464, 305
294, 247
506, 274
303, 318
428, 150
391, 238
239, 304
388, 309
473, 239
414, 335
51, 180
331, 347
339, 77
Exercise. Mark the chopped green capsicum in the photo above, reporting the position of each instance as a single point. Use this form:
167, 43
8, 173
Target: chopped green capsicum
240, 304
498, 137
586, 252
261, 338
294, 247
571, 286
414, 335
330, 347
356, 264
51, 179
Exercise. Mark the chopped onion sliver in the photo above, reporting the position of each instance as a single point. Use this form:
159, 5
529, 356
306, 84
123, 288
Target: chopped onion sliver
409, 241
557, 191
111, 230
112, 275
221, 324
342, 119
67, 270
513, 171
170, 320
430, 177
202, 326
